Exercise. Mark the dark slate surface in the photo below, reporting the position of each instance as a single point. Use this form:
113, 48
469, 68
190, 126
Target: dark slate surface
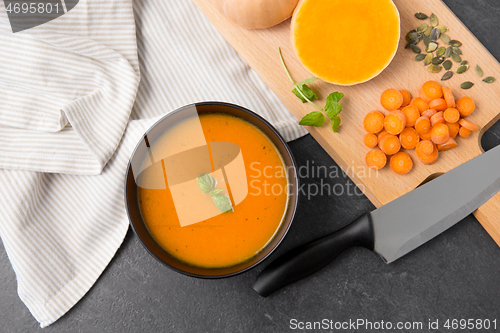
456, 275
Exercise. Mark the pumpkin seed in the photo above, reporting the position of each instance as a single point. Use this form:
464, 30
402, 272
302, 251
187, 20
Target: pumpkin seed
428, 59
420, 57
435, 34
442, 28
465, 63
432, 47
448, 75
427, 40
415, 49
462, 69
466, 85
428, 31
440, 52
437, 60
410, 43
434, 20
489, 79
445, 38
411, 35
422, 27
434, 68
421, 16
447, 65
455, 43
454, 56
449, 52
457, 50
479, 71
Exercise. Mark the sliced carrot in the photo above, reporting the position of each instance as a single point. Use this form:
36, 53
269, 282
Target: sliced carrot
438, 104
431, 90
467, 124
451, 115
395, 122
453, 128
429, 113
406, 97
390, 144
409, 138
412, 114
440, 134
391, 99
376, 159
448, 145
401, 163
420, 104
427, 152
464, 132
438, 118
466, 106
427, 135
426, 147
370, 140
423, 124
448, 97
382, 135
374, 122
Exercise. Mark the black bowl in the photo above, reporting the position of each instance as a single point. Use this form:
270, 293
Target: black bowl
131, 190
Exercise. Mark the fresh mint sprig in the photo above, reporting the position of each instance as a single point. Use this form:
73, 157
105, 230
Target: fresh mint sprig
207, 183
306, 94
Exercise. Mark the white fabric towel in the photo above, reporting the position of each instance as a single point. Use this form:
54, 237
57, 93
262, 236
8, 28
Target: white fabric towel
68, 124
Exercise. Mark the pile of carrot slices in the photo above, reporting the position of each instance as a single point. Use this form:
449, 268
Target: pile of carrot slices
428, 123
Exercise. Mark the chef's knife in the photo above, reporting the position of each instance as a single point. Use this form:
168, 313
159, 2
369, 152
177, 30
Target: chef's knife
397, 228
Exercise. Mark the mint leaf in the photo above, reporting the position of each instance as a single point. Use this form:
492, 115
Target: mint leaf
333, 110
332, 106
336, 123
306, 81
223, 202
308, 92
206, 182
334, 97
214, 192
315, 118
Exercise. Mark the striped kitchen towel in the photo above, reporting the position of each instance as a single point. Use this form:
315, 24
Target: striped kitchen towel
77, 94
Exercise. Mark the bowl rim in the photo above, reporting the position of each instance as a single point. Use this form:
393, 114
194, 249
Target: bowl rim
251, 113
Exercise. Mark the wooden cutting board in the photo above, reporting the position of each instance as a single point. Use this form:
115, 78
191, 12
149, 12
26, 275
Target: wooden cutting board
259, 48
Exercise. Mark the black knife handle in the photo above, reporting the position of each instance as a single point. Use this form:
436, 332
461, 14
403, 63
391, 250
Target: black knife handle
311, 257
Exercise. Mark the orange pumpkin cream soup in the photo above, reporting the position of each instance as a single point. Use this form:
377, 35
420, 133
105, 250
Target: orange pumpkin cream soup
214, 190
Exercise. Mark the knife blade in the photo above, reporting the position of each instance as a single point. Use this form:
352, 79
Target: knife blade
398, 227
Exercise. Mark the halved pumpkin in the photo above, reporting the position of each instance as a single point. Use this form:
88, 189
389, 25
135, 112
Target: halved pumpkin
345, 42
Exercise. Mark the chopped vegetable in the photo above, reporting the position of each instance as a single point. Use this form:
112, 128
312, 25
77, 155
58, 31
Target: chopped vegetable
406, 97
401, 163
464, 132
451, 115
371, 140
427, 152
465, 106
390, 144
448, 145
467, 124
412, 114
395, 122
391, 99
376, 159
430, 91
409, 138
448, 97
374, 122
438, 104
438, 118
423, 124
440, 134
420, 104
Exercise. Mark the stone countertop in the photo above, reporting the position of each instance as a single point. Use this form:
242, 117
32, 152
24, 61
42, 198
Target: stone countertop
456, 275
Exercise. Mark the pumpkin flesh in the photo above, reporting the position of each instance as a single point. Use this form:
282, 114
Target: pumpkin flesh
345, 42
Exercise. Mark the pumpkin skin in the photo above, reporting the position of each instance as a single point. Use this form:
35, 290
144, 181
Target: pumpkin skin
345, 42
258, 14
